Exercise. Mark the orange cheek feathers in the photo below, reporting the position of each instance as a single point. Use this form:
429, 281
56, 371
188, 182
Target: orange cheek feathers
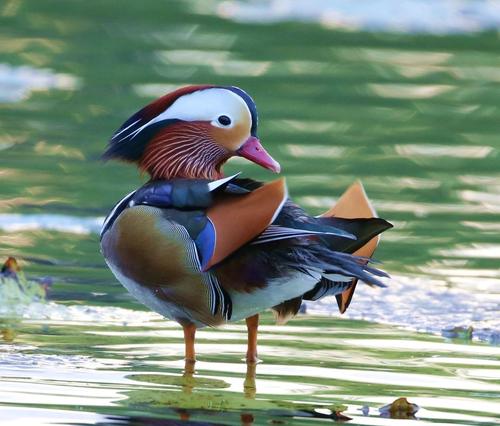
232, 138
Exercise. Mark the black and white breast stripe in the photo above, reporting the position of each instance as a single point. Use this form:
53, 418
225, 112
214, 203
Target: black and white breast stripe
117, 209
218, 298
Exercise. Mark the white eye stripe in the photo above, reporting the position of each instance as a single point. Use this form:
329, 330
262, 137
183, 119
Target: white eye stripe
208, 105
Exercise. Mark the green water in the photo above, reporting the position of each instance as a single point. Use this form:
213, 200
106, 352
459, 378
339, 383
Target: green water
415, 116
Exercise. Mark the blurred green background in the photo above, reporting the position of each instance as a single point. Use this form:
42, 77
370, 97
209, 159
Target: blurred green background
402, 95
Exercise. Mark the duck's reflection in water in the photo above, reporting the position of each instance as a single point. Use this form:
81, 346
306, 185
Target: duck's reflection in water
249, 390
249, 386
189, 384
192, 399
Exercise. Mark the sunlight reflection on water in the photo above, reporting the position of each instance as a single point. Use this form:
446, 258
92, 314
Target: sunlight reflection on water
118, 375
441, 16
17, 83
412, 114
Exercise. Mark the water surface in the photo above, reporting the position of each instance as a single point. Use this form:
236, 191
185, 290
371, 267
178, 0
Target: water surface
412, 111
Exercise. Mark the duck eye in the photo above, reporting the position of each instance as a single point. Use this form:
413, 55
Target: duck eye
224, 120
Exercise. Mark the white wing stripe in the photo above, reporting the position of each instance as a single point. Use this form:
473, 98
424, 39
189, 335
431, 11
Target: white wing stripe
276, 233
216, 183
126, 128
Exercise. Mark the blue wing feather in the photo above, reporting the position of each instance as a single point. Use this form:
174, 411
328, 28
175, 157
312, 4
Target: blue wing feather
205, 243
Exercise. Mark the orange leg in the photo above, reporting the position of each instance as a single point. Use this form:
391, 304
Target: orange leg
252, 326
189, 333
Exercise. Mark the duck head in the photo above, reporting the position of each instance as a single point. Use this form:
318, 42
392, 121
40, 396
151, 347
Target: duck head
191, 133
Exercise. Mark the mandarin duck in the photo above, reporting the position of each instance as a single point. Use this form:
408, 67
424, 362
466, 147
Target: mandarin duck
204, 249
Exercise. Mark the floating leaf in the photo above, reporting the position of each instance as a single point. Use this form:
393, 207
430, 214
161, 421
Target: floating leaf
8, 334
399, 409
16, 289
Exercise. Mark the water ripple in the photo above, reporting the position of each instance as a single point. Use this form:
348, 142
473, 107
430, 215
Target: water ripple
11, 222
414, 16
16, 83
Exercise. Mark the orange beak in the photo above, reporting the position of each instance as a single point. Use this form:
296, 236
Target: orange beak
253, 150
